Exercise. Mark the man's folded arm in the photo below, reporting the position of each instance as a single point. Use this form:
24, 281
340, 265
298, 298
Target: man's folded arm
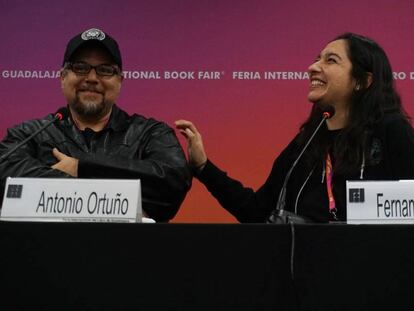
162, 169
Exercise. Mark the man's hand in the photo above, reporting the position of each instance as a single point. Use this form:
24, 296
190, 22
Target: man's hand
66, 164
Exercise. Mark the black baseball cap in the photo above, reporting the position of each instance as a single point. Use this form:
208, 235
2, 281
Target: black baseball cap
93, 35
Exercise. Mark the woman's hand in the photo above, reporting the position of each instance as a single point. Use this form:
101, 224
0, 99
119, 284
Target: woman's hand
196, 155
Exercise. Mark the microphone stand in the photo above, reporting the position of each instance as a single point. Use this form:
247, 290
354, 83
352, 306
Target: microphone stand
58, 116
280, 215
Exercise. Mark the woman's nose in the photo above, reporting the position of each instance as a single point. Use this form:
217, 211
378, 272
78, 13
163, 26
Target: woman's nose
315, 66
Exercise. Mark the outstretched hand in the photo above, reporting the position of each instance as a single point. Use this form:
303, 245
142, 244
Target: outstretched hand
196, 155
65, 163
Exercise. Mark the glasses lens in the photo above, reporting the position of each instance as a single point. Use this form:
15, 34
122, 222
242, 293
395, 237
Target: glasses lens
81, 68
105, 70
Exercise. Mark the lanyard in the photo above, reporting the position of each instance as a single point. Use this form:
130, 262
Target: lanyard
329, 173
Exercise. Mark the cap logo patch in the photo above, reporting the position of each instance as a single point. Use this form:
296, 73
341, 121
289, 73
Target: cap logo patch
93, 34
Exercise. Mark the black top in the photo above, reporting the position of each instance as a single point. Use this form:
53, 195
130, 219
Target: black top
391, 157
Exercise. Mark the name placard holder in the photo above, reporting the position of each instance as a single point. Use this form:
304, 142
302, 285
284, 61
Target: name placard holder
72, 200
380, 202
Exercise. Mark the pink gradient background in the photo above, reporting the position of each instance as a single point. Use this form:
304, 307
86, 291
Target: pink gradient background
245, 123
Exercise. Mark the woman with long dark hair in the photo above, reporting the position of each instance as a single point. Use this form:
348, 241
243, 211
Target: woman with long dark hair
369, 137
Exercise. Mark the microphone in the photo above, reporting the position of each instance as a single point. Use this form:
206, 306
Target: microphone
279, 215
61, 114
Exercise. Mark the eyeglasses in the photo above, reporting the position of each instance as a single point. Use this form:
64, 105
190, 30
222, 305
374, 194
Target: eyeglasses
82, 68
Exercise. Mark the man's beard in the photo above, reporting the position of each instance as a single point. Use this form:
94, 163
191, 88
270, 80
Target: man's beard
90, 110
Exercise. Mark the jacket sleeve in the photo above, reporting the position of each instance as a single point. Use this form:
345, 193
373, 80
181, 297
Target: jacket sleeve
242, 202
24, 162
162, 168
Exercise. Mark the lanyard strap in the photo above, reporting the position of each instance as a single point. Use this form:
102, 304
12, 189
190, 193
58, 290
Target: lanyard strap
329, 173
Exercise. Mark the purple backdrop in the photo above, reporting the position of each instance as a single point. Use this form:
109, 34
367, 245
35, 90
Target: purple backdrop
245, 122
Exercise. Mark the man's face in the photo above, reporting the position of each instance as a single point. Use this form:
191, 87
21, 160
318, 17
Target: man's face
90, 95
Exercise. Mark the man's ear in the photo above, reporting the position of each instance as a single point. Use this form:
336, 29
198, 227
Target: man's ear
121, 78
63, 73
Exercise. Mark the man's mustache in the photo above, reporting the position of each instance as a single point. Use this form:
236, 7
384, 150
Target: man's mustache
90, 89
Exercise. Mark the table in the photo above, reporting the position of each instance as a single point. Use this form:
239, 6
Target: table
100, 266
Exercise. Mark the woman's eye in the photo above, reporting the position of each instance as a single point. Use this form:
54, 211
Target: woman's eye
332, 60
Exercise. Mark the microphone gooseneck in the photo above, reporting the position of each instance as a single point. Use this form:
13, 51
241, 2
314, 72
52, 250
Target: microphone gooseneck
61, 114
279, 214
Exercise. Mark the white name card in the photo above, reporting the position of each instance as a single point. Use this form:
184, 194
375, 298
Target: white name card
72, 200
380, 202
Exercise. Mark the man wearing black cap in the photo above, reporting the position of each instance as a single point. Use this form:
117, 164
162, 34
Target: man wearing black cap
97, 139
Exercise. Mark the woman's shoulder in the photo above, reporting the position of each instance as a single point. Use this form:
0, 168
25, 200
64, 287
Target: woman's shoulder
394, 123
395, 118
395, 132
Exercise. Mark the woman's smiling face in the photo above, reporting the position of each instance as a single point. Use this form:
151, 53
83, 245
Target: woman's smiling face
331, 82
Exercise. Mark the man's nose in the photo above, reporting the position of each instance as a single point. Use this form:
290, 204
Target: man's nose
92, 75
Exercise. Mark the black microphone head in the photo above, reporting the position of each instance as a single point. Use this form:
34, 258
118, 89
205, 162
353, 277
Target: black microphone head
328, 112
62, 113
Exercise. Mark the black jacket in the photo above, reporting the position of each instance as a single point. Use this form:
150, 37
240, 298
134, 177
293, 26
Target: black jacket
128, 147
391, 158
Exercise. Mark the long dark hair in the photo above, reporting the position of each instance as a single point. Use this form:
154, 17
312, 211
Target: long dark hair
367, 108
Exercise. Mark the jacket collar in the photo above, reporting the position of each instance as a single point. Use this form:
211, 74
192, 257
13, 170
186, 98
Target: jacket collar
118, 120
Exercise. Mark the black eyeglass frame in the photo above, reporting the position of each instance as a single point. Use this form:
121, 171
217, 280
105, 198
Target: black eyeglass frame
116, 69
